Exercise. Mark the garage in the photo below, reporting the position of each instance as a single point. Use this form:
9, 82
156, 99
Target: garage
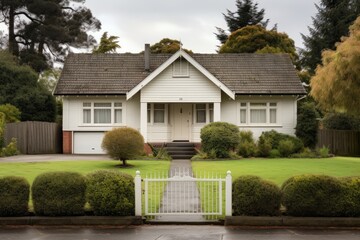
88, 142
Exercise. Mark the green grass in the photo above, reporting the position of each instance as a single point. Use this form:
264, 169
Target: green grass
278, 170
31, 170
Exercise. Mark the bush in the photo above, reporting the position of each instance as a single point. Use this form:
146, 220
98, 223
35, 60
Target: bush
111, 193
341, 121
307, 124
323, 152
59, 194
351, 196
306, 153
274, 153
286, 147
222, 137
247, 146
255, 197
14, 193
123, 144
264, 146
313, 196
10, 149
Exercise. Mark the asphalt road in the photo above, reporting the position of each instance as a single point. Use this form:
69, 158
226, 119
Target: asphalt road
174, 232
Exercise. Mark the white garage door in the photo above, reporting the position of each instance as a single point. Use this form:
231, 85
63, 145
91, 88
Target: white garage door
88, 142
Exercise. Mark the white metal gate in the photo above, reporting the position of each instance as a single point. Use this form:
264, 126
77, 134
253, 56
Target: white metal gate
182, 193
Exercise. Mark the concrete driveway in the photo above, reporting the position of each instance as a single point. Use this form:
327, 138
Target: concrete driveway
174, 232
53, 157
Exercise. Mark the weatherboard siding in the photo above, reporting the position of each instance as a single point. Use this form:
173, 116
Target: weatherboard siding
193, 89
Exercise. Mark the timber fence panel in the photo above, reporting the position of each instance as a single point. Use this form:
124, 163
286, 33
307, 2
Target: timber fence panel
340, 142
35, 137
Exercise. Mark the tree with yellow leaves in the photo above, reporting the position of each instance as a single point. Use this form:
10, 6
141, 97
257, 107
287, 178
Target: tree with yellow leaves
336, 83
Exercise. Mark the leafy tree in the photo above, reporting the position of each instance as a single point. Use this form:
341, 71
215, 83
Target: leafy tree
49, 78
247, 14
307, 124
167, 45
42, 31
19, 87
12, 113
107, 44
330, 23
253, 39
336, 84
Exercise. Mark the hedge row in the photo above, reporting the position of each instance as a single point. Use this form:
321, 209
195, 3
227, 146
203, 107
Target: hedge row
305, 195
66, 193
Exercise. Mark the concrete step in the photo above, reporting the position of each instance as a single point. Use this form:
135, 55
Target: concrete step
179, 144
181, 156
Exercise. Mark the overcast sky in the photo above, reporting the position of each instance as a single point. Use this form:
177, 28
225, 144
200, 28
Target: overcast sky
137, 22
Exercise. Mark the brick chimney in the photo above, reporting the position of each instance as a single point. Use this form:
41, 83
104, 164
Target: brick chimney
147, 57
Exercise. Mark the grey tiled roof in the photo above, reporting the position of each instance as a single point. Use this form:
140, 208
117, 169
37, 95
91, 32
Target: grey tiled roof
87, 74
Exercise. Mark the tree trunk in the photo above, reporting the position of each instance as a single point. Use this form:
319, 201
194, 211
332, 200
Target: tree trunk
13, 46
124, 162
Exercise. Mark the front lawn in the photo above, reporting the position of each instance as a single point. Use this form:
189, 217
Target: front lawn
278, 170
32, 169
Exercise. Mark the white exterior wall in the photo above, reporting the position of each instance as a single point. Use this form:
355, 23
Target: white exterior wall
286, 113
193, 89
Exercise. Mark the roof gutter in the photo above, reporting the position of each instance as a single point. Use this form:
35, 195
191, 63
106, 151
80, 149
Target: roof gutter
300, 98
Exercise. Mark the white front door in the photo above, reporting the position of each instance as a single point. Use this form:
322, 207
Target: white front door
182, 121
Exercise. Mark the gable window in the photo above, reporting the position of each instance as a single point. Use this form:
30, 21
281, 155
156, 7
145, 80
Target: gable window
180, 68
258, 113
102, 112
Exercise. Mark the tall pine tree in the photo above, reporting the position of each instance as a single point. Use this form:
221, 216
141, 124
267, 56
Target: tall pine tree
330, 23
247, 14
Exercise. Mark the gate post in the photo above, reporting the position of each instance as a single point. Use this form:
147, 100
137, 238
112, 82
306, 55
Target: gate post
138, 210
228, 194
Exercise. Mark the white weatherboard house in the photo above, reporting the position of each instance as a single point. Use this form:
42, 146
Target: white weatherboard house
170, 97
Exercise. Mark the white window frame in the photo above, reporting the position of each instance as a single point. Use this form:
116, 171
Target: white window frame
151, 109
184, 68
209, 109
246, 105
112, 114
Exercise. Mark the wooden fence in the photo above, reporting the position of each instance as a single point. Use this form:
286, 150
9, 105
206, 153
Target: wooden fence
340, 142
35, 137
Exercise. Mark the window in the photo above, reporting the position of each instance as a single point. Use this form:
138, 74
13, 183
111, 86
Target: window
211, 112
157, 113
102, 112
200, 110
258, 112
181, 68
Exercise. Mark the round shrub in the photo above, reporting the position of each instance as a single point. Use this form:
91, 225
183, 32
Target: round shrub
220, 137
123, 144
312, 196
59, 194
351, 196
341, 121
286, 147
14, 192
254, 196
274, 138
274, 153
111, 193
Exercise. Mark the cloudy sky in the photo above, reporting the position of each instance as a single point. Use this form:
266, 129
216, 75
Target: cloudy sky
193, 21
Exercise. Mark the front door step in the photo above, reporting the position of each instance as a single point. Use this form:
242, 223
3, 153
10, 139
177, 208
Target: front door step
180, 150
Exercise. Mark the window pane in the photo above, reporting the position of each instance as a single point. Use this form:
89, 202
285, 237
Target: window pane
159, 116
258, 104
118, 104
211, 112
257, 115
201, 116
272, 115
118, 116
86, 116
149, 115
243, 104
102, 104
86, 104
102, 115
243, 116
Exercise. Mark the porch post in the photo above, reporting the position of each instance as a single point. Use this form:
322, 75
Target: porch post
143, 120
217, 112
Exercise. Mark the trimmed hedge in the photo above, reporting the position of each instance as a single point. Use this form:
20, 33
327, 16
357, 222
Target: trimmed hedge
220, 137
59, 194
351, 196
254, 196
313, 196
111, 193
14, 192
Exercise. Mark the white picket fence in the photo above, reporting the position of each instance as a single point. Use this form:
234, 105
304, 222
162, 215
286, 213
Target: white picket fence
182, 193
